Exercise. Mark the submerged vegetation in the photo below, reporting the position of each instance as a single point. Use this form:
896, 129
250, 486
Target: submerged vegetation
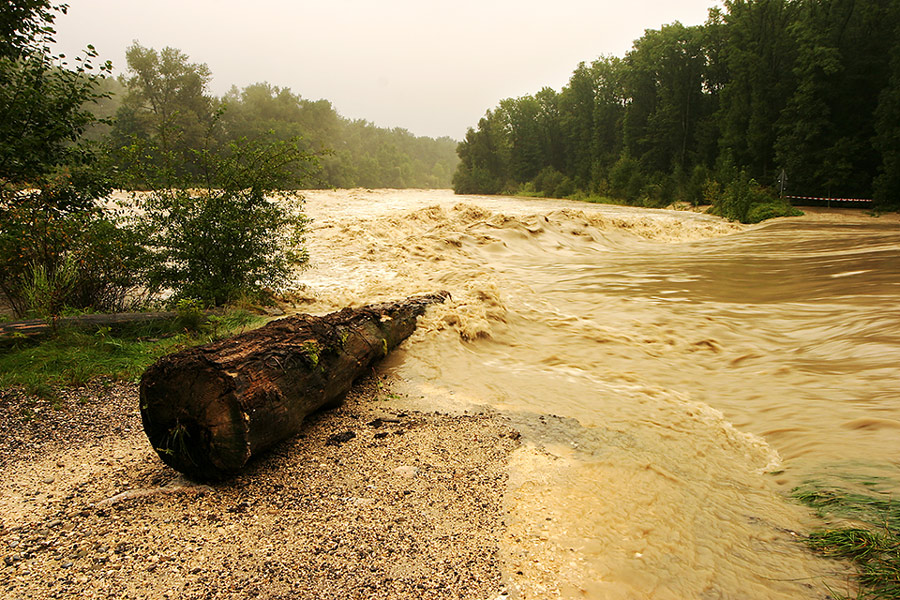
873, 547
799, 95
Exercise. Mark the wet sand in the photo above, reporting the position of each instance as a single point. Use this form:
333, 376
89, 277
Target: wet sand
411, 507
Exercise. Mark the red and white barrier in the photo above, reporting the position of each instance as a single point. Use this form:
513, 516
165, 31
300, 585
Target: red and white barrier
829, 199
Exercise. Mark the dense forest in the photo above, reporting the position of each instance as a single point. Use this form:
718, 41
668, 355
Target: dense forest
164, 87
804, 93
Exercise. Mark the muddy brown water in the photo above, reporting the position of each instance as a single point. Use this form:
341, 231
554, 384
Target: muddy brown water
674, 375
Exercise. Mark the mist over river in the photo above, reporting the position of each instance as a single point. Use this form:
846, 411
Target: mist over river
674, 376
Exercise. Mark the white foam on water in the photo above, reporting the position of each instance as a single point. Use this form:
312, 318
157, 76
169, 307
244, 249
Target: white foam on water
698, 369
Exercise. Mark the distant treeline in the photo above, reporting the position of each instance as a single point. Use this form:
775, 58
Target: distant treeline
713, 113
164, 89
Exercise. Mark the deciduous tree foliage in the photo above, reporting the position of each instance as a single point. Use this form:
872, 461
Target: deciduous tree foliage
804, 86
166, 90
215, 223
57, 245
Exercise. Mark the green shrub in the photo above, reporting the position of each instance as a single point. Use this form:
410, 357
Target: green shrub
547, 181
653, 196
62, 252
770, 210
734, 203
695, 188
565, 188
234, 234
44, 292
190, 314
475, 180
746, 201
712, 191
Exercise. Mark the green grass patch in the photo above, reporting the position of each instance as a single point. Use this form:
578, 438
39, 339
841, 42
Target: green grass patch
873, 546
74, 357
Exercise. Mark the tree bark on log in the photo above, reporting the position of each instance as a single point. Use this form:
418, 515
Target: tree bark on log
207, 410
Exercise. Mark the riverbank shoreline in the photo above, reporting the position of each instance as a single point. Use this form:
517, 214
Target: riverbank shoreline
410, 506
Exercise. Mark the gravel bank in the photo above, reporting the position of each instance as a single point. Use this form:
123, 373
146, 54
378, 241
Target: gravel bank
410, 506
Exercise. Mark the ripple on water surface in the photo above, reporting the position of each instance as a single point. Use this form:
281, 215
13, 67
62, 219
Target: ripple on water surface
700, 370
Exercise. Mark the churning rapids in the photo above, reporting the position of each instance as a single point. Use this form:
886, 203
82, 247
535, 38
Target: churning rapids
674, 375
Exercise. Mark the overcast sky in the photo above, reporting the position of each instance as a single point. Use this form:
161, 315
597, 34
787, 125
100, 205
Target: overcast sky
433, 68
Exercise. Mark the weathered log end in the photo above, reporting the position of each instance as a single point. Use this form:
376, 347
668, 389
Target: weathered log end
207, 410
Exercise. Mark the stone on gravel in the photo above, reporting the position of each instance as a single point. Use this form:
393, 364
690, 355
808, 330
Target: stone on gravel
407, 471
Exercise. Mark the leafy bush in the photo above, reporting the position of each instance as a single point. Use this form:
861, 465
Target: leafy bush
746, 201
712, 191
770, 210
694, 189
190, 314
734, 203
565, 188
59, 249
233, 234
475, 180
546, 181
653, 195
44, 293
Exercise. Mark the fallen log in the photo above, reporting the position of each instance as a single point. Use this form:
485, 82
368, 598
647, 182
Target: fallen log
207, 410
34, 328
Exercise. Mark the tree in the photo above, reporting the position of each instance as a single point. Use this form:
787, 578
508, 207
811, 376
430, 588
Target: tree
167, 100
843, 63
759, 57
887, 128
54, 238
665, 87
609, 111
24, 24
484, 157
527, 154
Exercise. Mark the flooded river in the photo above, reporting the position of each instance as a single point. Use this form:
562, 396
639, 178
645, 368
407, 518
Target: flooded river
674, 376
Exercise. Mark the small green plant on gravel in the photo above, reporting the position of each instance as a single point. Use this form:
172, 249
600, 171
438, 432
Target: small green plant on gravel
190, 314
874, 547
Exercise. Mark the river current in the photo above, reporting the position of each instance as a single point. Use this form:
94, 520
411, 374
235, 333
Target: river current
674, 376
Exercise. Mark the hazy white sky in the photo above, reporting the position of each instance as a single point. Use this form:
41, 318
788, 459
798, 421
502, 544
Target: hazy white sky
433, 68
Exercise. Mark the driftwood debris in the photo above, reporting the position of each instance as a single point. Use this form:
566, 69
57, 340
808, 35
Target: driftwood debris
208, 410
34, 328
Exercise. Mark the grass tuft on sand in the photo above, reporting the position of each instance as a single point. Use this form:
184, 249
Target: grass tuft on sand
873, 546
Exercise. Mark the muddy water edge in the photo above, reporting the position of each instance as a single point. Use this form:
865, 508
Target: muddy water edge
674, 376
